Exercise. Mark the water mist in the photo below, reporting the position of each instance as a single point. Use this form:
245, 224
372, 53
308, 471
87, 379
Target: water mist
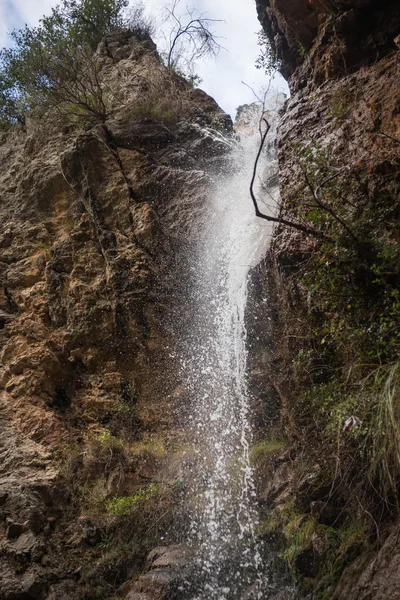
223, 513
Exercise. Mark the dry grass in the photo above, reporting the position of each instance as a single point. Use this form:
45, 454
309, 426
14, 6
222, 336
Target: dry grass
163, 96
384, 429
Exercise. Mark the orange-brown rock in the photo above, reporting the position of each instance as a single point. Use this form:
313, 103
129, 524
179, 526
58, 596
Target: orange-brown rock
91, 222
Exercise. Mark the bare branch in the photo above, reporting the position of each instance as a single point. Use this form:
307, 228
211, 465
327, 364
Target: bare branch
190, 37
298, 226
326, 206
390, 137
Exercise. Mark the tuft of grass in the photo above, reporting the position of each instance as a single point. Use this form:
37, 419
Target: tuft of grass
152, 447
263, 450
158, 109
299, 533
301, 50
384, 429
106, 439
163, 98
123, 506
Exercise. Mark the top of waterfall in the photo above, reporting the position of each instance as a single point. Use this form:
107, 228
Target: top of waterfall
248, 116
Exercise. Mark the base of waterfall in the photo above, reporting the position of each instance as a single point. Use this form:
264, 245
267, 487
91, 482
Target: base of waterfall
173, 574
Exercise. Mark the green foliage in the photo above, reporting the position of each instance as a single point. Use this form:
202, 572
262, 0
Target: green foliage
52, 65
106, 439
194, 80
122, 506
301, 50
340, 103
350, 365
325, 550
375, 401
299, 532
267, 60
147, 448
87, 21
264, 449
353, 279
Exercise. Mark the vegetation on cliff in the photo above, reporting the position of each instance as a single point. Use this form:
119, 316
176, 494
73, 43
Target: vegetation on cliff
52, 65
347, 370
337, 293
55, 65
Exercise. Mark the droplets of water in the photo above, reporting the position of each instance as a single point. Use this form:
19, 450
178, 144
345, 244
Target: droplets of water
224, 517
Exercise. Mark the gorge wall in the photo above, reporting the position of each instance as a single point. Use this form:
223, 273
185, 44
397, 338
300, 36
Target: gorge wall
94, 222
319, 351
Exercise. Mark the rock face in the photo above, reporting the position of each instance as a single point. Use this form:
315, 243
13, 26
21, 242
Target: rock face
341, 60
167, 570
328, 39
93, 221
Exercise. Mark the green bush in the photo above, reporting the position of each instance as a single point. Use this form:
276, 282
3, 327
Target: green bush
267, 60
122, 506
53, 64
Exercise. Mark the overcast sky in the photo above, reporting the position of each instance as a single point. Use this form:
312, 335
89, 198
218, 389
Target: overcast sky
221, 77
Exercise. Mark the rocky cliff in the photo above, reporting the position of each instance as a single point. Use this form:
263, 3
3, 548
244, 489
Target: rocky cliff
94, 220
327, 350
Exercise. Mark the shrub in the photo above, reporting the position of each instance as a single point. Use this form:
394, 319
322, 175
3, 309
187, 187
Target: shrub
267, 59
163, 97
53, 64
122, 506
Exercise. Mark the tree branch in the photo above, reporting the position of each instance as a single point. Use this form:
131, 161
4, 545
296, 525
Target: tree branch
298, 226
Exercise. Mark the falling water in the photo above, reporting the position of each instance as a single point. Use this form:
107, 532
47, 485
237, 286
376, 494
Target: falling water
223, 516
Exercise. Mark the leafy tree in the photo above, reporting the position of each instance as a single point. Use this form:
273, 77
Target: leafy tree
267, 60
90, 19
53, 65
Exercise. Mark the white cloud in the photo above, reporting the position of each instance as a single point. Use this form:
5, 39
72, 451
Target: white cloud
15, 13
221, 78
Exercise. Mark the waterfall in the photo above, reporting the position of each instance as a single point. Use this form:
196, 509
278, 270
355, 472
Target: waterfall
223, 514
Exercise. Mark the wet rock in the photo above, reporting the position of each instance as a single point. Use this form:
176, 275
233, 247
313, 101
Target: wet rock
168, 556
315, 39
14, 530
279, 483
376, 576
144, 135
168, 568
25, 544
34, 587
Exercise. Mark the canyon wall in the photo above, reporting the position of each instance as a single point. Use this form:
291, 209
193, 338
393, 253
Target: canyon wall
314, 355
95, 219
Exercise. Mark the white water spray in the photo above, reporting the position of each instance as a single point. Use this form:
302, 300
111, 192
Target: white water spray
223, 516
